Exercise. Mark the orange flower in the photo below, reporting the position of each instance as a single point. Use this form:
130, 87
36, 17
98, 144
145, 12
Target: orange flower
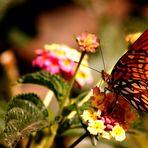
97, 98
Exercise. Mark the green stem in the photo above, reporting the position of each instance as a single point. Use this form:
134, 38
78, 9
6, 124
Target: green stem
71, 84
50, 140
55, 125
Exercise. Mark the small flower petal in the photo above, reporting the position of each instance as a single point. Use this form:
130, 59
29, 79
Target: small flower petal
96, 126
118, 133
106, 135
87, 115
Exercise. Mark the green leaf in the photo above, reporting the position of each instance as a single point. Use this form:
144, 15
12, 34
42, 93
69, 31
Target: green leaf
26, 100
69, 124
73, 121
81, 96
68, 109
3, 109
54, 82
26, 114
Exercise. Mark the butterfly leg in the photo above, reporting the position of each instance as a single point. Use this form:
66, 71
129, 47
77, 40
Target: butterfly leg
105, 90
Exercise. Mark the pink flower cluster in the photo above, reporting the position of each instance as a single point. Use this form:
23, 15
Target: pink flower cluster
60, 59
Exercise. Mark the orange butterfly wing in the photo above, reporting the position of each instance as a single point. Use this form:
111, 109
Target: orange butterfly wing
129, 76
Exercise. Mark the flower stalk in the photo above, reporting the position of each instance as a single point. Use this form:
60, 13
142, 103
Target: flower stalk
65, 100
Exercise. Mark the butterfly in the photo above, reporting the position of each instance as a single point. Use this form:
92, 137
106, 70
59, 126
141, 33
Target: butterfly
129, 77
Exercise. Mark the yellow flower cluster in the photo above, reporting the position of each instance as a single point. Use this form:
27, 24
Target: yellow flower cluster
97, 126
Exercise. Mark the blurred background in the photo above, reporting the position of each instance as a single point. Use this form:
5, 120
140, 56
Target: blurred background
26, 25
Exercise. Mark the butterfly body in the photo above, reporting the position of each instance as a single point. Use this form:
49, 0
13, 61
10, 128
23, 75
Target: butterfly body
129, 76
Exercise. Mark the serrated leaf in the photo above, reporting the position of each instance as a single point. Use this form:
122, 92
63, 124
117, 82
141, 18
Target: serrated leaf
54, 82
28, 99
3, 109
26, 114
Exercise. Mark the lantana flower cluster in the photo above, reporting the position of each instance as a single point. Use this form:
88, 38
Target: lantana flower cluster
108, 117
61, 59
87, 42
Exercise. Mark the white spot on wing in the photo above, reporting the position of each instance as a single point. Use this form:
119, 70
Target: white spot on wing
136, 99
134, 104
124, 92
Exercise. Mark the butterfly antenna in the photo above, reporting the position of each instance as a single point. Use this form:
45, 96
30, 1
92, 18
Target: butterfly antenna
89, 67
101, 52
